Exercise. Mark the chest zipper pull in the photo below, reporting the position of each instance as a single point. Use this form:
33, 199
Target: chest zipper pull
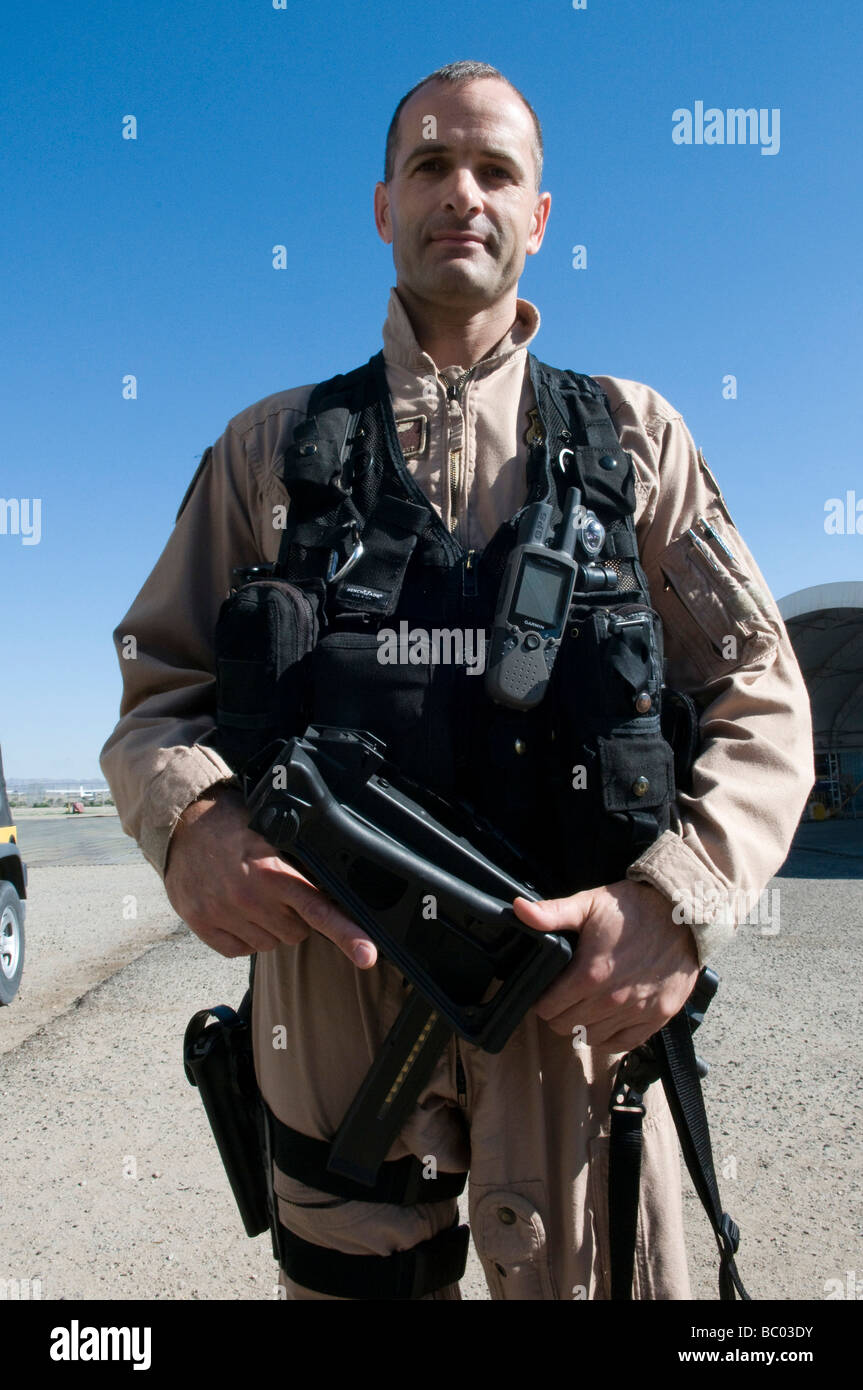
469, 581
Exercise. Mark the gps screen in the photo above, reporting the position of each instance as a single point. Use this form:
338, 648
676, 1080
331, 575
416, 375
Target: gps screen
542, 587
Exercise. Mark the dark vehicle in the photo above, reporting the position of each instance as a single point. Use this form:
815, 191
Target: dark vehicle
13, 891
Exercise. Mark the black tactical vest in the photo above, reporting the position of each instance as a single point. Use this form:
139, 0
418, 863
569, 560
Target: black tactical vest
578, 786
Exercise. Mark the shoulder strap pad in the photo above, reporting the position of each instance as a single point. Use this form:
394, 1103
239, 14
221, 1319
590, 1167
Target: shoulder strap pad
313, 461
581, 442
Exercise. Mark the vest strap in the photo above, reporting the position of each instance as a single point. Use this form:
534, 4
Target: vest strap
339, 496
389, 540
317, 467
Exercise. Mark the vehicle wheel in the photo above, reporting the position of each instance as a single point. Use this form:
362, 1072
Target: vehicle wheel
11, 943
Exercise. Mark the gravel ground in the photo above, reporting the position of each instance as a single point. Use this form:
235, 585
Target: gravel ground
112, 1187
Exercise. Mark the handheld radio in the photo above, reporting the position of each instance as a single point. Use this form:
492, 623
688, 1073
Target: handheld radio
534, 598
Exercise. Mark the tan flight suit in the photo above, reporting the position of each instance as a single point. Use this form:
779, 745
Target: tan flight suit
532, 1122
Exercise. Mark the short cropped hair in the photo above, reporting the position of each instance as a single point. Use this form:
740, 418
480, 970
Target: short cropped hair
464, 71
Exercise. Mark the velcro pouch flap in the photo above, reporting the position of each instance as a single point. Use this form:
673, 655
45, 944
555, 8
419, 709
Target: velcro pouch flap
636, 772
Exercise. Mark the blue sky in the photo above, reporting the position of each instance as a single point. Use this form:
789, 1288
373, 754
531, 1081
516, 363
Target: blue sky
259, 126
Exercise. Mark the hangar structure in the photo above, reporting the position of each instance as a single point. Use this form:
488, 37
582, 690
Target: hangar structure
825, 624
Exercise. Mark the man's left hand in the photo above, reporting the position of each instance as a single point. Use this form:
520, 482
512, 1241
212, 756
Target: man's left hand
633, 968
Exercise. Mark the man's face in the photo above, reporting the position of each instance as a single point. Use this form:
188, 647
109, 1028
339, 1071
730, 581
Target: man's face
463, 166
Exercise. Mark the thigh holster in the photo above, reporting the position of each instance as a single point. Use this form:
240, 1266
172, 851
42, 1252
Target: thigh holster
406, 1274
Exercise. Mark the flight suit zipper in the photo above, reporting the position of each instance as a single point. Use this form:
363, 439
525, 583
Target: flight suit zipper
460, 1078
454, 391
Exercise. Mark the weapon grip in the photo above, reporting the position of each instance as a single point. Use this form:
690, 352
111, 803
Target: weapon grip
389, 855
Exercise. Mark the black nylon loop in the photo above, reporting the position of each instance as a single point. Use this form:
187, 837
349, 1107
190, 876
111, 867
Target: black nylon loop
404, 1275
400, 1182
624, 1178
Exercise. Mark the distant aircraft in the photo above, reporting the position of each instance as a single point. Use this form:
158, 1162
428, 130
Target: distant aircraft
77, 792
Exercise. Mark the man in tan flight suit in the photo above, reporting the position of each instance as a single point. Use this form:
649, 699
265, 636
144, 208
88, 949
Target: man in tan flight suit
461, 207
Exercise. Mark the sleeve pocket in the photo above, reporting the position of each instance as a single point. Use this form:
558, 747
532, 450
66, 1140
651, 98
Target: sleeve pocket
716, 614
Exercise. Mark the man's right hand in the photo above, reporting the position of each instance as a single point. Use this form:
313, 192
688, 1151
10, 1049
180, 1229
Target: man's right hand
237, 893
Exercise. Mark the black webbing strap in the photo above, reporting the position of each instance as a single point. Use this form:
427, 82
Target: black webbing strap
670, 1056
582, 449
406, 1274
330, 515
389, 538
676, 1055
624, 1178
402, 1182
584, 425
323, 522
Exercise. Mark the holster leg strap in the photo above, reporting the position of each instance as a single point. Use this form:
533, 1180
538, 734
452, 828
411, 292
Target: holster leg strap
402, 1182
404, 1275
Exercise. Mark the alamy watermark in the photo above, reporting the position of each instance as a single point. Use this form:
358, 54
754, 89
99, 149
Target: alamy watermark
849, 1287
21, 516
441, 646
707, 905
77, 1343
735, 125
844, 515
20, 1290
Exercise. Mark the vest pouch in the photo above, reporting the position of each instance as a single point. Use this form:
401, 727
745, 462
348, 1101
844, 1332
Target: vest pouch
611, 776
636, 773
386, 685
607, 679
637, 787
264, 636
615, 662
504, 764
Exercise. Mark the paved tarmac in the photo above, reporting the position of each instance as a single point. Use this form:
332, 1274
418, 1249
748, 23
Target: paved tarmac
91, 838
111, 1184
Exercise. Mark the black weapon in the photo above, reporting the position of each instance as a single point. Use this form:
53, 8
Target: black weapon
398, 862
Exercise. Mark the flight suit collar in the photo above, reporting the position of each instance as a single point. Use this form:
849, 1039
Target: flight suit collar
402, 349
